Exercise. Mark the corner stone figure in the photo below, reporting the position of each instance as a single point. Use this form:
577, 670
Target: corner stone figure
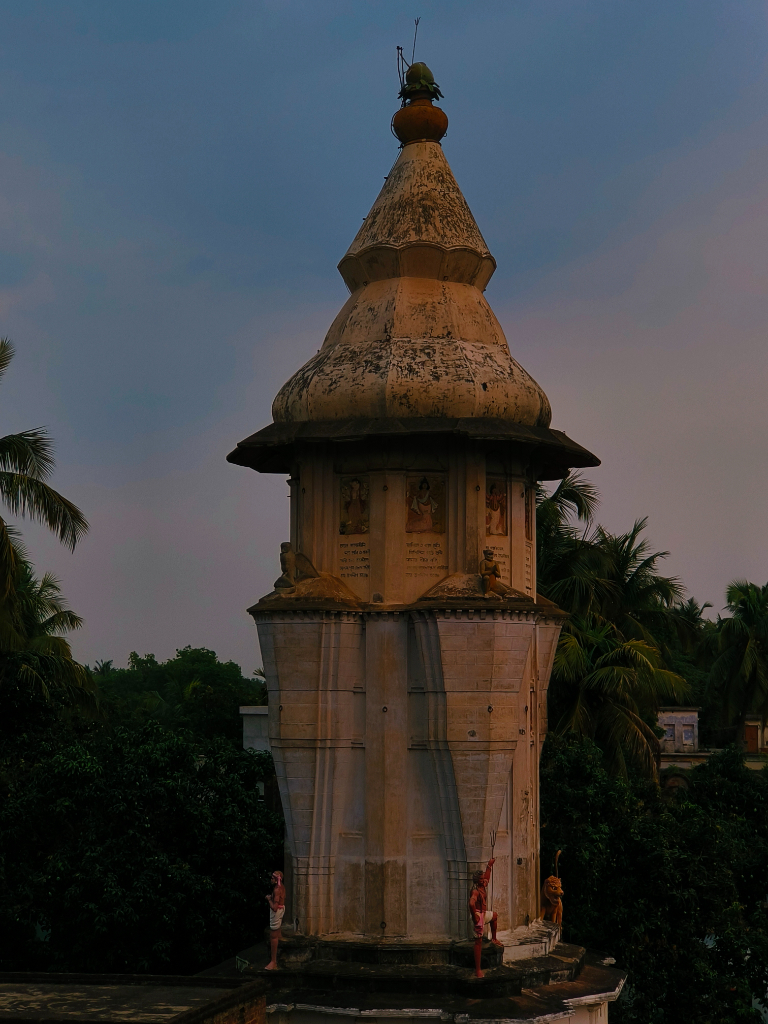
276, 901
491, 577
552, 897
481, 916
288, 564
295, 566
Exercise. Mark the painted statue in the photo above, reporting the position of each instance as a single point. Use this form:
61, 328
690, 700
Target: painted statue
552, 897
276, 901
491, 576
480, 914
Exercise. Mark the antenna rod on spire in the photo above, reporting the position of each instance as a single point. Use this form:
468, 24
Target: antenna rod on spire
415, 33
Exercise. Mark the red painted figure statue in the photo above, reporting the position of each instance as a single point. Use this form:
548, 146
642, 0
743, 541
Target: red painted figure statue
481, 916
276, 901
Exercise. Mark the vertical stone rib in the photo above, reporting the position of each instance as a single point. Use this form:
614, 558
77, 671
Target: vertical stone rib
453, 838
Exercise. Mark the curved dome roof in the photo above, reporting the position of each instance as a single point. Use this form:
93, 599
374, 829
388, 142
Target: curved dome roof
416, 337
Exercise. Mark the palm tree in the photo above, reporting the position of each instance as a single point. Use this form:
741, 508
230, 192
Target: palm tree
26, 462
570, 568
609, 677
33, 622
609, 689
739, 674
636, 597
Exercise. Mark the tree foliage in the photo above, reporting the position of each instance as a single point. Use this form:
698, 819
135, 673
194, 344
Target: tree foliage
674, 888
610, 674
26, 463
193, 691
34, 652
132, 850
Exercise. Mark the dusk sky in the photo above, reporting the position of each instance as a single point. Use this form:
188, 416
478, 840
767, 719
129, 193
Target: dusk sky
180, 179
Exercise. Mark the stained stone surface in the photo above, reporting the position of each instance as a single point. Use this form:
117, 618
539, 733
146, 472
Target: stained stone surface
94, 1002
417, 337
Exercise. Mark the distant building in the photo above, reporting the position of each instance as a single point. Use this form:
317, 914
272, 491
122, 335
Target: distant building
680, 742
255, 727
681, 730
755, 736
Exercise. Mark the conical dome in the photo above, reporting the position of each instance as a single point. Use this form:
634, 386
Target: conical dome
416, 350
417, 338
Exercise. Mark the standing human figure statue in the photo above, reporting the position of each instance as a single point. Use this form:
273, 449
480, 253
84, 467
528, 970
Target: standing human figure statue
276, 901
490, 574
480, 914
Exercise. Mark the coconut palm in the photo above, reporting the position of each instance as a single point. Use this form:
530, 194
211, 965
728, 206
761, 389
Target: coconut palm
26, 462
634, 596
739, 674
610, 689
570, 567
33, 622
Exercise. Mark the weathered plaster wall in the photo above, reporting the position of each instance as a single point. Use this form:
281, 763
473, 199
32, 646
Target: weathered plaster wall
401, 740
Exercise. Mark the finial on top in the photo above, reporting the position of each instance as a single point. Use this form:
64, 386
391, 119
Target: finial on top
418, 120
419, 83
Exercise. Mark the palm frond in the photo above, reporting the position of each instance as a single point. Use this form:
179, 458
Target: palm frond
29, 452
34, 499
7, 352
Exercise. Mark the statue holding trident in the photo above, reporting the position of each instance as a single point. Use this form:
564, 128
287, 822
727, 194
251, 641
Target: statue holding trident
480, 914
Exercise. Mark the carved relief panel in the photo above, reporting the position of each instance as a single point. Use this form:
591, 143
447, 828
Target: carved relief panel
426, 560
354, 556
497, 523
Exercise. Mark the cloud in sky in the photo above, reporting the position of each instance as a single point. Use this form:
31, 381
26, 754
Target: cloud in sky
179, 181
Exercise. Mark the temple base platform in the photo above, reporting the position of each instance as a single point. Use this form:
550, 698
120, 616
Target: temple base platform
323, 981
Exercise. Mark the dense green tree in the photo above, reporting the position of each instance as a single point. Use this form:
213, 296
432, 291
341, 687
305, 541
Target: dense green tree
35, 655
674, 889
26, 463
739, 673
132, 850
610, 689
611, 670
192, 691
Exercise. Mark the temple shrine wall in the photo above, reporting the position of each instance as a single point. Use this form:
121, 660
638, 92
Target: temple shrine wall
392, 533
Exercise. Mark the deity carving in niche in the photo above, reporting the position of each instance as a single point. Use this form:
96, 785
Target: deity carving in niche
496, 507
425, 503
355, 510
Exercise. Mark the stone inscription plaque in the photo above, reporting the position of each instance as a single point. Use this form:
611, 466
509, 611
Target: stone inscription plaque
426, 560
354, 559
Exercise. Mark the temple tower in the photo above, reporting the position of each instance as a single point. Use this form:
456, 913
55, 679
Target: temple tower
406, 651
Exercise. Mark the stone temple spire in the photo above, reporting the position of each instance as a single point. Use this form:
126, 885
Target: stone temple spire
406, 651
417, 338
416, 348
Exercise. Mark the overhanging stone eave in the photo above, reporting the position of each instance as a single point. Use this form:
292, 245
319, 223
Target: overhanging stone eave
272, 449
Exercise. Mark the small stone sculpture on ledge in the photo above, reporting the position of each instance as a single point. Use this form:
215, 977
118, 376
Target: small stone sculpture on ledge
552, 897
295, 567
491, 577
480, 914
276, 901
